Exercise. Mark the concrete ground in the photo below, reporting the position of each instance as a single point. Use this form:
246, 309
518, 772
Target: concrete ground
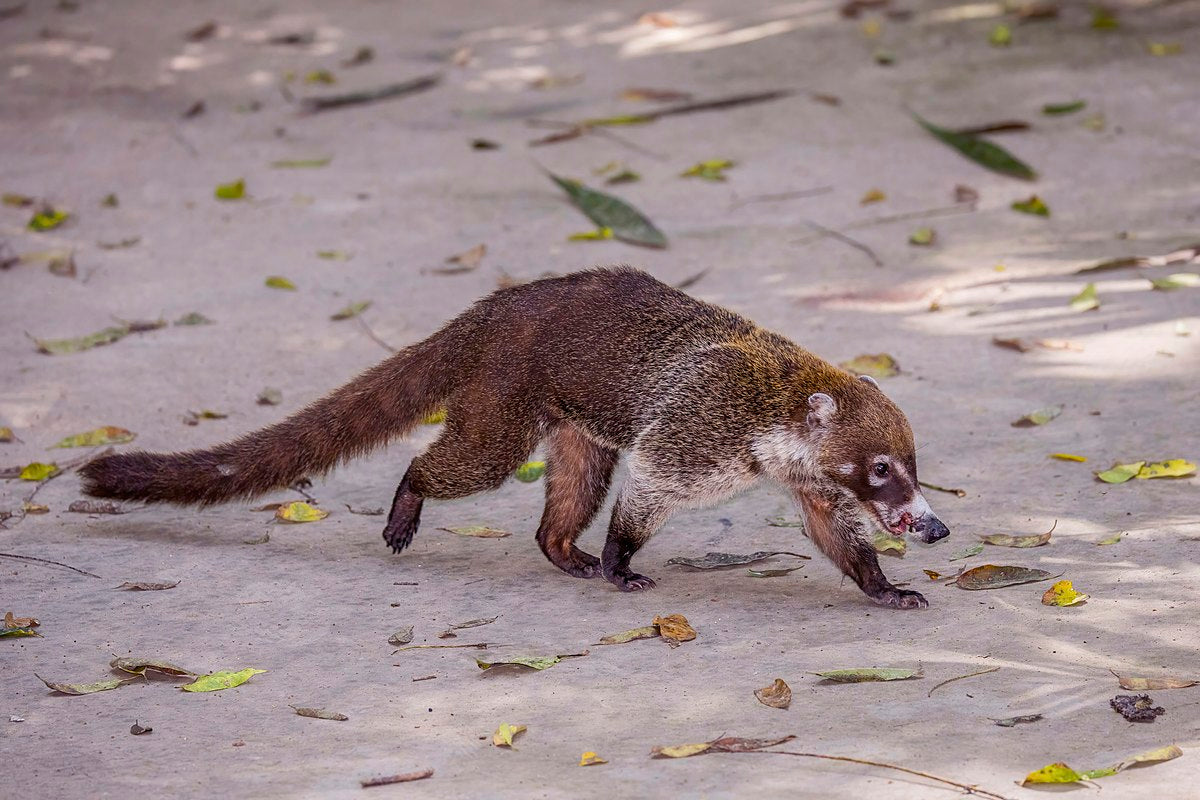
91, 104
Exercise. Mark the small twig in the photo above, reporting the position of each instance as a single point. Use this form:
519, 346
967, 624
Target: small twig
965, 787
312, 105
48, 561
841, 237
634, 146
404, 777
367, 329
959, 678
424, 678
946, 489
942, 211
771, 198
692, 280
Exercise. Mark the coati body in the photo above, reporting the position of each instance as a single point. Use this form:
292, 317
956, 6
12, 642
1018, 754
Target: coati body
703, 401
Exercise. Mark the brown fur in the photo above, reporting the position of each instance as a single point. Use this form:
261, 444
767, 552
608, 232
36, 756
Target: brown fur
596, 362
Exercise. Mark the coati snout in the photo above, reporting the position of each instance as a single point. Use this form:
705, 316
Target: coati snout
596, 363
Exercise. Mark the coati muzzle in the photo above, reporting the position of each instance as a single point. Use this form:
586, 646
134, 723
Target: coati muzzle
928, 528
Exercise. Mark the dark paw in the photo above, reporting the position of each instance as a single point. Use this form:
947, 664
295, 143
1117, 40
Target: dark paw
400, 530
900, 598
631, 582
576, 563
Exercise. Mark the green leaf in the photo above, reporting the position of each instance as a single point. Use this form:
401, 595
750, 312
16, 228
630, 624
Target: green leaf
1039, 417
1086, 300
711, 170
990, 576
1119, 473
624, 176
627, 223
981, 151
645, 632
47, 219
1058, 109
885, 542
922, 236
1034, 205
969, 551
1001, 36
37, 471
231, 191
532, 662
280, 282
106, 435
21, 631
620, 119
352, 310
302, 163
1180, 280
869, 674
84, 688
193, 318
221, 680
530, 471
1104, 19
1053, 773
323, 76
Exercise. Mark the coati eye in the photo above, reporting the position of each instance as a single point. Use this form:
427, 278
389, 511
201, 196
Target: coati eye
880, 470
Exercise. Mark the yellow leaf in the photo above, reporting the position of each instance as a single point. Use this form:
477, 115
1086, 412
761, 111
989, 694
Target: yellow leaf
478, 531
1062, 594
436, 418
7, 435
885, 542
299, 512
231, 191
879, 365
680, 750
352, 310
1174, 468
221, 680
872, 196
646, 632
35, 508
1068, 457
1155, 756
675, 628
587, 236
47, 219
710, 170
38, 471
503, 737
933, 576
1114, 539
1053, 773
106, 435
1164, 48
589, 759
1001, 36
1086, 300
922, 236
1034, 205
530, 471
1146, 684
1119, 473
320, 76
280, 282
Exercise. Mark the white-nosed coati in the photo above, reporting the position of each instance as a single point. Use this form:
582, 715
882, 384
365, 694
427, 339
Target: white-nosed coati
704, 401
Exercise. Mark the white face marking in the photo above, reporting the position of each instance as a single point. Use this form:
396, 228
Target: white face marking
874, 479
847, 469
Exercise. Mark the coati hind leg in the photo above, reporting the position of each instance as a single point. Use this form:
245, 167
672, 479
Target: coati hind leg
578, 473
482, 444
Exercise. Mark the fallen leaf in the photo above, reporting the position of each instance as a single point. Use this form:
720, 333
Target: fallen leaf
1174, 468
95, 507
1068, 457
640, 94
1009, 722
1000, 36
674, 629
1058, 109
17, 200
18, 632
193, 318
503, 737
48, 218
1119, 473
981, 151
784, 522
1039, 417
590, 759
231, 191
279, 282
1007, 540
646, 632
721, 560
530, 471
269, 396
1063, 594
991, 576
1143, 684
1136, 708
879, 365
13, 621
1034, 205
147, 586
532, 662
37, 471
1086, 300
484, 144
777, 695
1180, 280
319, 713
1104, 19
138, 666
922, 236
772, 573
884, 57
387, 780
321, 76
376, 511
1053, 773
402, 636
968, 552
627, 223
471, 623
726, 744
932, 574
1114, 539
137, 729
710, 170
463, 262
7, 436
62, 346
600, 234
334, 255
221, 680
478, 531
300, 511
194, 417
885, 542
1164, 48
1155, 756
872, 196
352, 310
680, 750
302, 163
869, 674
106, 435
84, 688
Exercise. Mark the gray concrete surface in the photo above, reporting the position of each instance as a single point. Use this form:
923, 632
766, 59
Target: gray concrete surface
91, 104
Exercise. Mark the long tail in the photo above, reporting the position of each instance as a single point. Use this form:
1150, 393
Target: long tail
386, 401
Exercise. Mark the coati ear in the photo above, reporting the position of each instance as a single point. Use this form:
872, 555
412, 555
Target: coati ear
869, 379
822, 407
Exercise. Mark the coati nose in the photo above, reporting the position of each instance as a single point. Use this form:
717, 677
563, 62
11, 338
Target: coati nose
929, 529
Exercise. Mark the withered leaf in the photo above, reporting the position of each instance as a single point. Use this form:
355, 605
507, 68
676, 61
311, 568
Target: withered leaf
137, 729
478, 531
777, 695
402, 636
1142, 684
721, 560
772, 573
675, 629
1009, 722
13, 621
138, 666
1038, 417
1136, 708
95, 507
991, 576
147, 586
463, 262
83, 688
645, 632
1007, 540
869, 674
319, 713
366, 512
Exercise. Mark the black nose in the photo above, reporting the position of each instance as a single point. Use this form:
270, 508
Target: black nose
929, 529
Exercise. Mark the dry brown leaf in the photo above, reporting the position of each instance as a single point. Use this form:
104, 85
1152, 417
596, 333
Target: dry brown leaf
463, 262
1144, 684
777, 695
674, 629
11, 621
147, 586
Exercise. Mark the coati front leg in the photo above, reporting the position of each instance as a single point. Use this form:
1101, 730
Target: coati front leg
837, 529
578, 473
637, 514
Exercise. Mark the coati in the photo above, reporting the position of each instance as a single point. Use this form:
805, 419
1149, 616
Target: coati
598, 362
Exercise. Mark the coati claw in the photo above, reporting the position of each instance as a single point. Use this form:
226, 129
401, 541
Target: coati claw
900, 598
632, 582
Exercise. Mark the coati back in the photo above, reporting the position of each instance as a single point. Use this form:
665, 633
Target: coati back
704, 401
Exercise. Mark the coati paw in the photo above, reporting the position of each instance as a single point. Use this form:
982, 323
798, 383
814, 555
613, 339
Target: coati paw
575, 562
631, 582
900, 598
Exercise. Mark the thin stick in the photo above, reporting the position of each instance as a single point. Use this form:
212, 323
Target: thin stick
959, 678
313, 105
770, 198
634, 146
374, 338
48, 561
943, 211
965, 787
841, 237
403, 777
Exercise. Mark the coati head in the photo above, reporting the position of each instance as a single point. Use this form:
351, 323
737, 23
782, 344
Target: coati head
865, 451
